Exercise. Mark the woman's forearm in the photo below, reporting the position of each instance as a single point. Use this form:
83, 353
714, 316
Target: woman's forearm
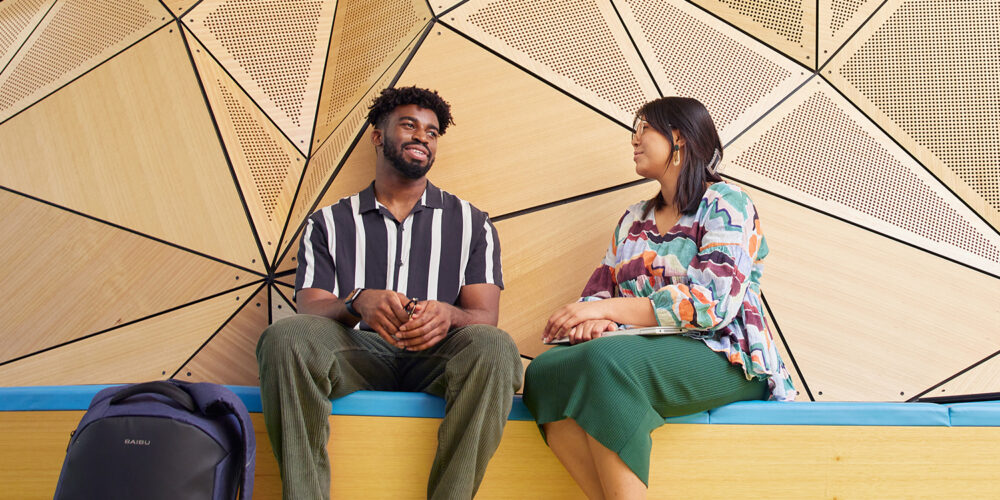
636, 311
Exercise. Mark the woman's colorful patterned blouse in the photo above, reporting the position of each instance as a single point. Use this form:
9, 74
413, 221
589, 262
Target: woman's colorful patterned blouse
702, 275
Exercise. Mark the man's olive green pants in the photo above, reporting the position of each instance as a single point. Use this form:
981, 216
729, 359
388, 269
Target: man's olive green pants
305, 361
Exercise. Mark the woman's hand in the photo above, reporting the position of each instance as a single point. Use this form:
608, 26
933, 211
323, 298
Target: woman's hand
571, 315
590, 329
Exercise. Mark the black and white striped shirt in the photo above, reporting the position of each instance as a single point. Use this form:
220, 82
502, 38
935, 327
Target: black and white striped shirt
444, 244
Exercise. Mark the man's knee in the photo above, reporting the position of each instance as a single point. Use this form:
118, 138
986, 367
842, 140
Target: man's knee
288, 335
493, 348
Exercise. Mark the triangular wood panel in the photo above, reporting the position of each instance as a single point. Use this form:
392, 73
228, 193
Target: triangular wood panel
76, 36
580, 47
149, 350
179, 7
755, 76
849, 300
838, 20
132, 143
557, 247
281, 308
980, 379
946, 115
817, 149
441, 6
787, 25
359, 55
105, 276
18, 18
229, 357
793, 371
267, 166
275, 50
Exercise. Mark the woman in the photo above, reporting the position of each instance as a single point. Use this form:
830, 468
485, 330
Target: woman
689, 257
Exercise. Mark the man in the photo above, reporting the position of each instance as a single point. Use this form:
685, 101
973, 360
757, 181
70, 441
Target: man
420, 269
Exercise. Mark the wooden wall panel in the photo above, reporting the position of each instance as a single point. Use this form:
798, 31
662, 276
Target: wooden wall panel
929, 84
838, 20
18, 18
69, 276
368, 38
868, 318
441, 6
787, 25
549, 255
580, 47
267, 166
230, 356
76, 36
796, 375
983, 378
755, 77
274, 50
179, 7
280, 307
147, 350
818, 150
133, 144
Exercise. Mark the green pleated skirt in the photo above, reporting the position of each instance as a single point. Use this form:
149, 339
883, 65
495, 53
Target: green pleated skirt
618, 389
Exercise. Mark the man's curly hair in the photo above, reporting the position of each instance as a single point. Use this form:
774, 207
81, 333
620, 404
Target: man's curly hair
393, 98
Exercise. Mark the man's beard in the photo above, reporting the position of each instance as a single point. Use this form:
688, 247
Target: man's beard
410, 170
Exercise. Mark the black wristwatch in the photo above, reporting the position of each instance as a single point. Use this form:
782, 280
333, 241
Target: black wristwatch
349, 301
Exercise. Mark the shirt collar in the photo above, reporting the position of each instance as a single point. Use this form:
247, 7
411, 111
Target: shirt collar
432, 198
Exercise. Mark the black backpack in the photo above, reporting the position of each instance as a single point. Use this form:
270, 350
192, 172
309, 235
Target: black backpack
161, 440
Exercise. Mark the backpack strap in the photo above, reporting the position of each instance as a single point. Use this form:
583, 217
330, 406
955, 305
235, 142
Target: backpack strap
161, 387
216, 400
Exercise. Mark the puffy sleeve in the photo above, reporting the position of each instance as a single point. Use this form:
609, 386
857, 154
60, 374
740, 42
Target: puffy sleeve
720, 272
602, 284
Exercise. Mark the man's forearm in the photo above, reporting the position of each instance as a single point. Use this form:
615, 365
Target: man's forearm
467, 316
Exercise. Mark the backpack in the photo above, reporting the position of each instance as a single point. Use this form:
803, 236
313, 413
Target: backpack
166, 439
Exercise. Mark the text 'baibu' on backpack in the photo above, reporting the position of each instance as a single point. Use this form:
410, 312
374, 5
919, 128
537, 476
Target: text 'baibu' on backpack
166, 439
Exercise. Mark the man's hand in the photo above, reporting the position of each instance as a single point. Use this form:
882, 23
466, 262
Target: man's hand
383, 311
569, 316
429, 324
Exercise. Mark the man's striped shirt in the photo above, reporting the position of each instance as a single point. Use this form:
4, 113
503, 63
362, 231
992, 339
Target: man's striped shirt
442, 245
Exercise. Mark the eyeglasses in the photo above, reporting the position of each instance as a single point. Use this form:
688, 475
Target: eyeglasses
638, 126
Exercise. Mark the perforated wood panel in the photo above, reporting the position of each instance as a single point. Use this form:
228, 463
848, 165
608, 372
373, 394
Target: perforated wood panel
267, 165
230, 356
820, 151
786, 25
868, 318
579, 46
368, 37
73, 38
980, 379
926, 72
281, 308
550, 246
148, 350
71, 276
17, 19
743, 80
275, 50
146, 158
838, 20
440, 6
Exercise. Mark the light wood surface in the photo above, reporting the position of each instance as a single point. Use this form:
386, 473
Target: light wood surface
17, 19
386, 457
787, 25
73, 38
756, 77
368, 39
178, 7
439, 6
580, 47
868, 318
230, 357
783, 352
946, 97
132, 143
817, 149
148, 350
838, 20
275, 51
281, 308
267, 166
68, 276
981, 379
549, 255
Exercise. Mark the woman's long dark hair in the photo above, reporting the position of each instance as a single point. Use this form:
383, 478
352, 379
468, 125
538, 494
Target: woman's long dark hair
702, 149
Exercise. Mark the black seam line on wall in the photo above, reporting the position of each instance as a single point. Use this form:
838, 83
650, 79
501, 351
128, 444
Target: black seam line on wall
270, 306
788, 348
449, 9
953, 377
914, 158
747, 33
282, 274
225, 150
636, 47
848, 40
859, 226
85, 73
319, 95
430, 10
189, 9
133, 231
347, 152
242, 89
286, 285
529, 358
242, 306
537, 77
769, 111
33, 29
123, 325
288, 302
571, 199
